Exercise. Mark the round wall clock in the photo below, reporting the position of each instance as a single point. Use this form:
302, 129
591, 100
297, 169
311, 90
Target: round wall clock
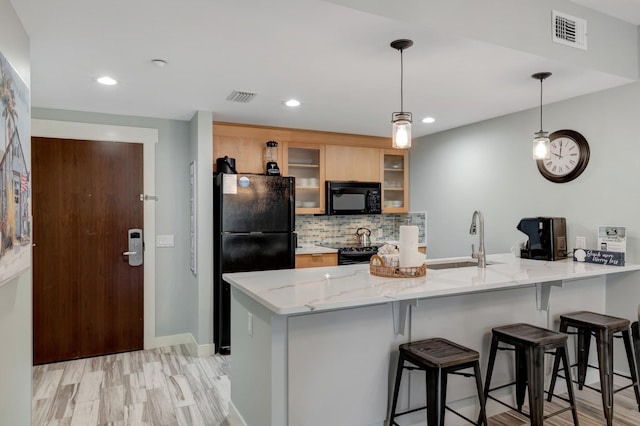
569, 157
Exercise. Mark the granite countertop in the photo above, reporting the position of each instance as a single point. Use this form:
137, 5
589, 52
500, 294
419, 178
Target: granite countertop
294, 291
314, 250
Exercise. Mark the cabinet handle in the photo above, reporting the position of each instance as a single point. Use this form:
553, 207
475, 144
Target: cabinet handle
316, 254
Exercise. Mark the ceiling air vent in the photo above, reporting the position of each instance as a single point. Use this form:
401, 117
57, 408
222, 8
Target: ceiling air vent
242, 97
569, 30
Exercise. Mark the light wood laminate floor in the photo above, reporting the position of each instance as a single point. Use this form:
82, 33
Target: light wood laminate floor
165, 386
168, 386
625, 411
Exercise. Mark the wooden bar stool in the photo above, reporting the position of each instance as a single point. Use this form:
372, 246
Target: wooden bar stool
603, 327
437, 357
530, 344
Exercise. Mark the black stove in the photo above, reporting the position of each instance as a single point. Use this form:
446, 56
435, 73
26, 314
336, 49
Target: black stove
361, 249
349, 254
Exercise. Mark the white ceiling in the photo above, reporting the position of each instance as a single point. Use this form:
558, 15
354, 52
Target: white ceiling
336, 60
626, 10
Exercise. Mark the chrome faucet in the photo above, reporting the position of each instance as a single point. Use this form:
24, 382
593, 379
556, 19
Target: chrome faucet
480, 255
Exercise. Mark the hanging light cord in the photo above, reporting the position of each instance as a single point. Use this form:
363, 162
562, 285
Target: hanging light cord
401, 81
541, 105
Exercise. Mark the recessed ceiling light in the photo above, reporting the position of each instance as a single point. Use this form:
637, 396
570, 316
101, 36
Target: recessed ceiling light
428, 120
292, 103
107, 81
160, 63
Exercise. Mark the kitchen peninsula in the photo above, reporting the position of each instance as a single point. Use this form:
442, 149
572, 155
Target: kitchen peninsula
318, 346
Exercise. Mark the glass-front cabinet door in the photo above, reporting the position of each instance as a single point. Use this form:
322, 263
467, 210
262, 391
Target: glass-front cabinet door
306, 164
395, 185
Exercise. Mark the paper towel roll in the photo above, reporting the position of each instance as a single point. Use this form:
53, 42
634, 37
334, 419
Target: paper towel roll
409, 236
408, 246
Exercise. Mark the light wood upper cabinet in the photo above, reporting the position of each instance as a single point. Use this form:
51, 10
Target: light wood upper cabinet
352, 163
246, 144
314, 157
247, 155
394, 165
306, 162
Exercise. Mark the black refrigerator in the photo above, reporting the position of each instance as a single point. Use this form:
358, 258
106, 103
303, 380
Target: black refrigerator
253, 224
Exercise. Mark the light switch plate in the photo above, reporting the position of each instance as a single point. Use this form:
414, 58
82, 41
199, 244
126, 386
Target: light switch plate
164, 240
581, 242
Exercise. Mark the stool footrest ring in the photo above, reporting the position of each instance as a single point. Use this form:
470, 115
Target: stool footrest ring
598, 389
562, 410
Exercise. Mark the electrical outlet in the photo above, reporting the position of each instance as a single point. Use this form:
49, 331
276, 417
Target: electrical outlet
581, 242
250, 324
380, 234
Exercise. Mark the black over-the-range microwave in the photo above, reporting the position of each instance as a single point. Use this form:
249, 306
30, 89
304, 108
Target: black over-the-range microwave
354, 197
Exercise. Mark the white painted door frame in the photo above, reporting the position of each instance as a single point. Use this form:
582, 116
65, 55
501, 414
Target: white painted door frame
149, 139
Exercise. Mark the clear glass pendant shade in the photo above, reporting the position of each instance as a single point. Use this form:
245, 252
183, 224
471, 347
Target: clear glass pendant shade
541, 141
401, 130
541, 146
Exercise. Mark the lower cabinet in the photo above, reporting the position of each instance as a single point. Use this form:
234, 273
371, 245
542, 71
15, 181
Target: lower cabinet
314, 260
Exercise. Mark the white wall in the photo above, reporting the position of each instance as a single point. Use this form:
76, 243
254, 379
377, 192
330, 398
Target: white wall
15, 296
488, 166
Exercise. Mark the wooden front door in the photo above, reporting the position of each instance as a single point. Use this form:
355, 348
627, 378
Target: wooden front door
87, 299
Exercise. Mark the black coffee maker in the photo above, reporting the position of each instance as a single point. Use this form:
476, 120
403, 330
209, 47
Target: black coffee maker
547, 238
226, 165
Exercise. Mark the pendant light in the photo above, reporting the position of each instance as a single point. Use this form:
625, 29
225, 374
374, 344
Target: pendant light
541, 141
401, 120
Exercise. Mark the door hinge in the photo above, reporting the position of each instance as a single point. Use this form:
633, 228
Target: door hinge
145, 197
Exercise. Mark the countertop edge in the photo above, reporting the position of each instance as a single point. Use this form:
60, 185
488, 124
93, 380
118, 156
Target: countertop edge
510, 280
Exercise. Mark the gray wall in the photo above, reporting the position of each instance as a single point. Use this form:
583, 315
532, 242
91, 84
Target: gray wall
176, 291
15, 296
488, 166
202, 152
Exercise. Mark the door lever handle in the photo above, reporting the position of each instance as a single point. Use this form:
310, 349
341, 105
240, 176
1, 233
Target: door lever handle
129, 253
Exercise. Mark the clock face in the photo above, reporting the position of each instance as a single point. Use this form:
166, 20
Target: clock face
569, 157
565, 156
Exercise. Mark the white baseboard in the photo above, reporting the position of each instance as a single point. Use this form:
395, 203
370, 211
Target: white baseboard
182, 339
173, 340
206, 350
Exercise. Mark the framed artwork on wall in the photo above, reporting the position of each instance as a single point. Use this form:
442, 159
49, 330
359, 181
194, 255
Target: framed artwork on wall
15, 178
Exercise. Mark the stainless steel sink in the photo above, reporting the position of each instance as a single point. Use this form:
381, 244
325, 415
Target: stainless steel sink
451, 265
